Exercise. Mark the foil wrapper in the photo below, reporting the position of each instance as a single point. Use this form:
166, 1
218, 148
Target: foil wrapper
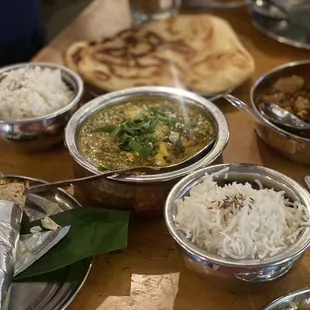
40, 207
10, 222
33, 246
18, 252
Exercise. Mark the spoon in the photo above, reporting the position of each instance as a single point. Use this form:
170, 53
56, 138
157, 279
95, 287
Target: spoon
240, 105
284, 118
303, 129
113, 174
117, 173
271, 9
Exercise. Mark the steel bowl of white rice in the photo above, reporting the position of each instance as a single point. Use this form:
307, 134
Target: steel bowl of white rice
239, 220
36, 102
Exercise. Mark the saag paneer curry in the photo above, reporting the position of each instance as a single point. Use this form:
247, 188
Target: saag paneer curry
144, 132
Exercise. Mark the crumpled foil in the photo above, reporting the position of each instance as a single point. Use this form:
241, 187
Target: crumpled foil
33, 246
10, 221
18, 252
41, 207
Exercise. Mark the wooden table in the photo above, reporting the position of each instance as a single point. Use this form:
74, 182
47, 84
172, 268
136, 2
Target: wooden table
149, 275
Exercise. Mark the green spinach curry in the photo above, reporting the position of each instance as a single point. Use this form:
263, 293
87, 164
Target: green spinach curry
144, 132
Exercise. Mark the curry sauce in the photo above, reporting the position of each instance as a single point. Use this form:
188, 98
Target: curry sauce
144, 132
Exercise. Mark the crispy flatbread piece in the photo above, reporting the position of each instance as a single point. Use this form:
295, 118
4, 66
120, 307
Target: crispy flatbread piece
13, 191
198, 52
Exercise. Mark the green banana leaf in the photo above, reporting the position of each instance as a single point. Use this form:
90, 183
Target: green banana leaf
93, 231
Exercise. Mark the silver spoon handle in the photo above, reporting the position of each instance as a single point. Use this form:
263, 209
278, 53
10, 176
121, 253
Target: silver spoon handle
240, 105
48, 186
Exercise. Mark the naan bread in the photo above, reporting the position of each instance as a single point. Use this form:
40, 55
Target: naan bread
198, 52
13, 191
73, 54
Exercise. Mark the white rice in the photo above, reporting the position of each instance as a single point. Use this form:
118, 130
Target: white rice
250, 224
32, 92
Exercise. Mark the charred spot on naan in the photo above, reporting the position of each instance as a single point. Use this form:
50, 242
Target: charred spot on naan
216, 61
124, 33
74, 54
154, 38
182, 48
134, 72
108, 57
101, 75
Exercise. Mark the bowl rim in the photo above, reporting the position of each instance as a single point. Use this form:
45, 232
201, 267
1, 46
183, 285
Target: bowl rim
286, 297
93, 105
75, 100
219, 5
266, 76
196, 177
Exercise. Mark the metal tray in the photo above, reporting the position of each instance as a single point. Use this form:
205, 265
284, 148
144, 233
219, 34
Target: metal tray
289, 33
55, 290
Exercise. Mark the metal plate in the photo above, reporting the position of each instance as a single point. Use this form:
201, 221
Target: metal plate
295, 33
57, 289
291, 300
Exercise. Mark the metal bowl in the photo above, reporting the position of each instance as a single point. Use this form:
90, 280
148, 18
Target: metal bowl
250, 270
289, 145
34, 134
291, 300
144, 194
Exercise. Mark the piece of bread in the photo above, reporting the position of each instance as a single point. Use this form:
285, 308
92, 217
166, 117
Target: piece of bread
198, 52
13, 191
72, 56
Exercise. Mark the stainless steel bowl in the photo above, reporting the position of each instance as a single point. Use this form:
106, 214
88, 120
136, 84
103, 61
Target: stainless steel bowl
291, 300
254, 270
34, 134
144, 194
289, 145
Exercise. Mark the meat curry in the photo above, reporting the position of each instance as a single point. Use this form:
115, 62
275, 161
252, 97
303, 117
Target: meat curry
291, 93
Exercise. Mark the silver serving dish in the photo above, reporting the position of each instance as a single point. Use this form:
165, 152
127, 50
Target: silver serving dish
295, 31
255, 270
40, 133
144, 194
289, 145
55, 290
291, 301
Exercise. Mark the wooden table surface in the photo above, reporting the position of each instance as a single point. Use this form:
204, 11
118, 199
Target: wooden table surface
149, 274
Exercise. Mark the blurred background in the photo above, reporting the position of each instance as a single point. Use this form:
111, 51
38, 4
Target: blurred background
58, 14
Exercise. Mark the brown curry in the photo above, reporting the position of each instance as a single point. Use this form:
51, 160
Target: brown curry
145, 132
292, 93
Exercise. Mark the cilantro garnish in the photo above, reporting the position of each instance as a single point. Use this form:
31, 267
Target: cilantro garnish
137, 134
